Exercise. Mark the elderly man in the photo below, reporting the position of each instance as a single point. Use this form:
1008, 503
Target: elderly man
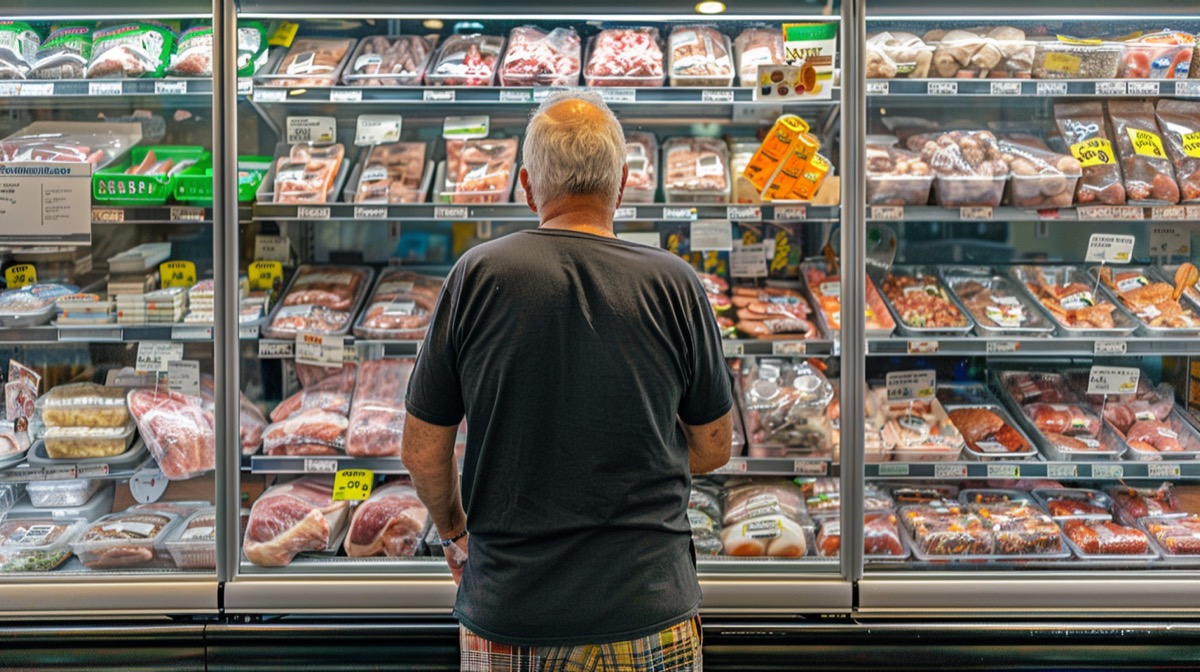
591, 376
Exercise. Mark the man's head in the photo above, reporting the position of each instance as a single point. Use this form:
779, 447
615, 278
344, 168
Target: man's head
574, 149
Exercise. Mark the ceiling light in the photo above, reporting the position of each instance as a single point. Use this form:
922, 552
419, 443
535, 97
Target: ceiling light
433, 24
710, 7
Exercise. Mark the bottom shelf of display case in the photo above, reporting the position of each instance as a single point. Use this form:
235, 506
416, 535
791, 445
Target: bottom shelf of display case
67, 593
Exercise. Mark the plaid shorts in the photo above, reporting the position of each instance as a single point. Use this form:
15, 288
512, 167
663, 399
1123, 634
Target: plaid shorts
675, 649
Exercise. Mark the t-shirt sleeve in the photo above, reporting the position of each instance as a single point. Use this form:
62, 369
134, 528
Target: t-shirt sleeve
435, 389
709, 393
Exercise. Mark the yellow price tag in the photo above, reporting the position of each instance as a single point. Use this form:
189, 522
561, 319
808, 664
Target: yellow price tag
266, 275
1094, 152
21, 275
353, 485
1146, 143
1191, 145
177, 274
284, 34
1062, 63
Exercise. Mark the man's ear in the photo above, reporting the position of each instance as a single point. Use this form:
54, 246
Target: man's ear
524, 177
624, 179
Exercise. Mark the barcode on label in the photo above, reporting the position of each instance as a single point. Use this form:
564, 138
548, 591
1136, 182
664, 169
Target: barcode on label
320, 466
1062, 471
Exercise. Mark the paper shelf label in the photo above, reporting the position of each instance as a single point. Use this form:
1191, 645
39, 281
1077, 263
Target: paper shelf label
46, 202
887, 213
893, 469
979, 213
714, 235
1051, 88
618, 95
810, 468
183, 376
21, 275
942, 88
1005, 88
1143, 88
36, 89
311, 129
743, 213
789, 348
649, 239
318, 466
1170, 239
1002, 347
353, 485
104, 334
949, 471
340, 95
186, 214
191, 333
922, 347
309, 212
716, 96
733, 349
1120, 213
1110, 248
104, 88
276, 349
911, 385
156, 355
791, 213
1107, 471
269, 95
440, 212
466, 128
1111, 88
376, 129
108, 215
170, 87
515, 96
625, 213
320, 349
40, 474
368, 212
1112, 380
1163, 470
247, 333
1109, 348
747, 261
436, 96
245, 86
91, 470
1187, 89
733, 466
679, 214
272, 248
1062, 471
877, 88
1003, 471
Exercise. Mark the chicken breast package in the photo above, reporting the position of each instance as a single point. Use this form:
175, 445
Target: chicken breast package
377, 416
131, 50
1179, 121
292, 518
536, 57
625, 57
177, 429
388, 61
1084, 129
311, 62
1144, 161
392, 173
700, 56
390, 523
466, 60
308, 173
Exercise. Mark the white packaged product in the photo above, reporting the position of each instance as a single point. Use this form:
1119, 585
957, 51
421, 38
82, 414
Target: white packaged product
62, 494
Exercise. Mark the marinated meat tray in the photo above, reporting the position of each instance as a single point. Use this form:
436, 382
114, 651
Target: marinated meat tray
949, 531
380, 60
997, 305
1074, 503
921, 305
825, 292
990, 433
321, 299
536, 57
400, 306
1063, 427
466, 60
917, 431
881, 537
1132, 504
1162, 309
1066, 295
1106, 541
1177, 539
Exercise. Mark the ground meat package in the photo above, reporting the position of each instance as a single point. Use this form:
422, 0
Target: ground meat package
625, 57
1084, 130
480, 170
539, 58
131, 50
388, 61
64, 54
195, 53
1144, 162
19, 44
1179, 121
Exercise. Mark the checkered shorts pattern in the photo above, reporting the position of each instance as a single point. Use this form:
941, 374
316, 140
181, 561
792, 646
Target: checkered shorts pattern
675, 649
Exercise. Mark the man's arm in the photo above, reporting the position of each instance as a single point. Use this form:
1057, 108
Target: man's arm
709, 445
427, 451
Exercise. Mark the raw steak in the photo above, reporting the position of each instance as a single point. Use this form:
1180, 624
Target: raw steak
377, 415
294, 517
389, 523
311, 426
331, 394
177, 430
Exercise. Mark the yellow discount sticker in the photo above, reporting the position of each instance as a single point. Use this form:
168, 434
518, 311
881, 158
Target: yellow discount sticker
1066, 64
265, 275
353, 485
21, 275
177, 274
1094, 152
1191, 144
1146, 143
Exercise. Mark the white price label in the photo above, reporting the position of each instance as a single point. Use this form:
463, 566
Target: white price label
747, 261
1108, 471
186, 214
717, 235
679, 214
949, 471
170, 87
893, 469
625, 213
975, 213
311, 129
1006, 88
1168, 212
1062, 471
317, 466
191, 333
716, 95
911, 385
618, 95
649, 239
36, 89
320, 349
155, 355
942, 88
734, 466
1113, 380
1169, 240
1111, 89
441, 212
1051, 88
1110, 248
1143, 88
272, 248
887, 213
183, 376
810, 468
466, 128
1163, 470
743, 213
341, 95
376, 129
108, 215
437, 96
91, 470
313, 213
247, 333
922, 347
271, 95
1003, 471
792, 348
732, 349
1111, 213
104, 88
515, 96
276, 349
245, 86
1001, 347
877, 88
791, 213
1187, 89
46, 202
369, 212
1109, 348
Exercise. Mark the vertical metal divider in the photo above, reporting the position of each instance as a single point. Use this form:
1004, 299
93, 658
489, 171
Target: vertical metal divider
225, 326
853, 268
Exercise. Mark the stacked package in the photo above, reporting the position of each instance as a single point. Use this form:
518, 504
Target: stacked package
164, 306
85, 420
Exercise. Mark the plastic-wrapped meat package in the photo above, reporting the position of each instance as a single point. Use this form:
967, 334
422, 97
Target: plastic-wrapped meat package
1033, 386
755, 47
466, 60
881, 536
128, 539
19, 44
1172, 435
539, 58
704, 533
982, 427
1040, 178
1132, 504
1144, 162
64, 54
773, 313
392, 173
400, 307
699, 57
695, 165
480, 171
969, 167
332, 287
1104, 537
641, 150
291, 518
1179, 121
377, 414
388, 61
1068, 419
332, 393
896, 177
786, 408
177, 430
625, 57
772, 535
1175, 536
251, 425
943, 528
705, 497
194, 55
131, 50
311, 62
1001, 51
311, 374
291, 319
757, 498
97, 143
1083, 128
307, 173
309, 432
1162, 55
895, 54
390, 523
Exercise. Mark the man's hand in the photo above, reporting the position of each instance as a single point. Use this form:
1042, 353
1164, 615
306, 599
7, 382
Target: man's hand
428, 453
456, 558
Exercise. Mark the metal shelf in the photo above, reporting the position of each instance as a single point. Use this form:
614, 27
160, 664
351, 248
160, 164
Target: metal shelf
25, 474
1025, 88
659, 212
1092, 213
754, 347
323, 464
110, 333
1057, 346
93, 88
1098, 471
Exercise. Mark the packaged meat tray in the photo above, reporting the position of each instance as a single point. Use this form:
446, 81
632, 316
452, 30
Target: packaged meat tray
177, 429
1074, 503
786, 406
923, 493
918, 431
921, 305
390, 523
990, 433
1040, 178
81, 442
291, 518
312, 431
310, 61
697, 170
1162, 55
896, 177
897, 54
825, 292
1160, 308
400, 306
19, 44
699, 56
193, 543
64, 54
830, 503
193, 56
766, 518
381, 60
705, 533
705, 497
83, 405
1104, 540
997, 305
1149, 177
129, 459
1177, 539
32, 305
973, 497
466, 60
126, 540
1065, 57
62, 494
377, 416
969, 168
1173, 438
641, 156
998, 52
1065, 294
773, 313
305, 174
754, 498
1085, 131
881, 537
1133, 504
755, 47
320, 299
999, 532
97, 143
131, 50
37, 544
1179, 121
332, 394
625, 57
395, 172
945, 529
477, 171
536, 57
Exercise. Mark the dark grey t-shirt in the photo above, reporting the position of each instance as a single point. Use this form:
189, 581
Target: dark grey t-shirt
571, 356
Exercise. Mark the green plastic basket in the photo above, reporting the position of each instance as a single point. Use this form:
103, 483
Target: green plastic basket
111, 185
195, 185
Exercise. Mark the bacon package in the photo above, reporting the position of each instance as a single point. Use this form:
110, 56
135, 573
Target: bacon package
1144, 162
1179, 121
466, 60
1084, 130
400, 307
97, 143
311, 62
388, 61
625, 57
307, 174
539, 58
480, 171
392, 173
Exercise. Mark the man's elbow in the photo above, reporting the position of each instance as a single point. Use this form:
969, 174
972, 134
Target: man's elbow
709, 461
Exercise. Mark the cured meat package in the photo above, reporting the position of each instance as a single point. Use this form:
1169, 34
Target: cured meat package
479, 171
400, 307
390, 523
881, 537
313, 431
321, 299
131, 50
466, 60
308, 173
700, 56
97, 143
291, 518
625, 57
1133, 504
388, 61
539, 58
1144, 162
1179, 121
1175, 537
177, 429
377, 415
1084, 129
395, 172
311, 62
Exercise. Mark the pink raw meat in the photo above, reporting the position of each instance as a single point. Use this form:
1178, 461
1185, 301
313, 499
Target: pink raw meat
177, 430
311, 426
389, 523
291, 518
377, 416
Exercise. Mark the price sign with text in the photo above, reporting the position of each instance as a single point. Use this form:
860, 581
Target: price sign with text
21, 275
1113, 380
320, 349
156, 355
177, 274
1110, 249
353, 485
911, 385
265, 275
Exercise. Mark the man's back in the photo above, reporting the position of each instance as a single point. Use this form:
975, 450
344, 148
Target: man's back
574, 354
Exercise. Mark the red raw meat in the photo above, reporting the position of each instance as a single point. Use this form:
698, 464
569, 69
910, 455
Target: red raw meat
626, 57
333, 288
389, 523
296, 516
377, 417
331, 394
313, 426
177, 430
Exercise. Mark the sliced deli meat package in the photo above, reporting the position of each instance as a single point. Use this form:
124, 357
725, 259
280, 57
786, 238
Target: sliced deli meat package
64, 54
1144, 162
19, 44
1179, 121
1084, 130
131, 50
539, 58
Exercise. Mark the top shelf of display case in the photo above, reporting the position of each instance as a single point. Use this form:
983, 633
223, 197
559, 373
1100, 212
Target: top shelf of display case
613, 10
27, 10
1067, 10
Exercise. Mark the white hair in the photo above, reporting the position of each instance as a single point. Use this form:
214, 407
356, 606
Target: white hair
574, 155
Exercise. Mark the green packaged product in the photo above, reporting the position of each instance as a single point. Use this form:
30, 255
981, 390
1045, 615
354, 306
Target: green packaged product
251, 48
19, 44
194, 56
64, 54
131, 50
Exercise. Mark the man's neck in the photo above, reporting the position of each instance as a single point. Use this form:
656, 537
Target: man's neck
582, 215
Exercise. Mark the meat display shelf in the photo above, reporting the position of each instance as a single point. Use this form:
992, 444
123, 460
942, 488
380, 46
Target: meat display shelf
750, 347
1094, 213
201, 89
798, 212
354, 350
162, 214
326, 464
23, 473
1074, 347
110, 333
1075, 471
1025, 88
473, 95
